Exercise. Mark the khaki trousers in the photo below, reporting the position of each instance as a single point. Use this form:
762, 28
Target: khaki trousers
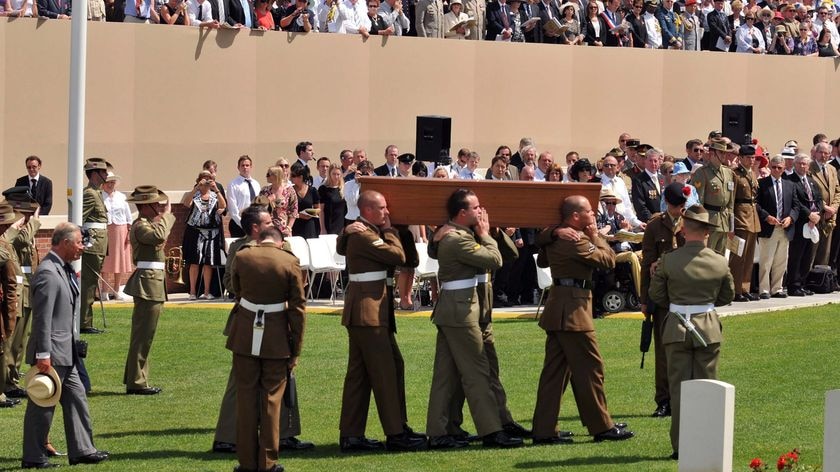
742, 266
17, 348
144, 320
460, 358
91, 268
259, 393
685, 362
717, 241
372, 366
577, 352
772, 261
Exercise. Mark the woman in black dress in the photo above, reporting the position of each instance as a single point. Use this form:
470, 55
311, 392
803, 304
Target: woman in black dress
203, 244
332, 204
306, 225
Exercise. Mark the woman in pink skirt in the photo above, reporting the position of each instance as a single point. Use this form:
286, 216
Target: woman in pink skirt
118, 260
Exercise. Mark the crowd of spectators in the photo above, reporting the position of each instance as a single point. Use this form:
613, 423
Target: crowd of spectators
806, 28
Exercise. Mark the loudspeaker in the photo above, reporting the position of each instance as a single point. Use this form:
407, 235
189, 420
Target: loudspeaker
433, 137
737, 123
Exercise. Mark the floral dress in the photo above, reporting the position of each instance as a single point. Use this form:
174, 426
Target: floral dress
282, 207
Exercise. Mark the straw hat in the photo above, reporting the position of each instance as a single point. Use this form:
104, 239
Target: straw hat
43, 389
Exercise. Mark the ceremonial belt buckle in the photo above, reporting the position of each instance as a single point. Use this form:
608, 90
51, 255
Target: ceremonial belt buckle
259, 328
19, 279
26, 269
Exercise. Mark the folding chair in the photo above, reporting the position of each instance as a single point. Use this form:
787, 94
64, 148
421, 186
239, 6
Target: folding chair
321, 261
301, 250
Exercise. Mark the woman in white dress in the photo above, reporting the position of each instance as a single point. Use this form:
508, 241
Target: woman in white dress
455, 16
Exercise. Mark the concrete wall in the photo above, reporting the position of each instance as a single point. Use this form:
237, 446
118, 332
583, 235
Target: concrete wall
163, 99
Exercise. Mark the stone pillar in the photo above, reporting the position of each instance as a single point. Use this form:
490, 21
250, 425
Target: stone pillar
707, 424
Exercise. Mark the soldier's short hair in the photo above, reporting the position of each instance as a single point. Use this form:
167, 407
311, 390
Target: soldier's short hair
251, 216
458, 201
572, 204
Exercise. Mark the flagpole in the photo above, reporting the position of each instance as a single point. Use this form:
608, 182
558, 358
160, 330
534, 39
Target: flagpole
76, 132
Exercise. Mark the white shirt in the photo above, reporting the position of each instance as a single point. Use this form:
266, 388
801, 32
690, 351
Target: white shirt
744, 38
119, 213
23, 5
538, 174
238, 196
352, 17
832, 29
199, 12
399, 21
654, 30
619, 189
655, 179
317, 181
322, 11
351, 196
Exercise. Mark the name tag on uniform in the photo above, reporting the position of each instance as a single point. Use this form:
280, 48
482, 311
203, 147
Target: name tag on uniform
730, 186
378, 242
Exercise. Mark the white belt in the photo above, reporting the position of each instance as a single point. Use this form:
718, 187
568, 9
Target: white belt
389, 281
691, 309
26, 269
459, 284
19, 279
259, 321
482, 278
90, 225
150, 265
369, 276
255, 307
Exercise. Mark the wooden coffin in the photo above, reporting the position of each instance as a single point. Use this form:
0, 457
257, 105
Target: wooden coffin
514, 203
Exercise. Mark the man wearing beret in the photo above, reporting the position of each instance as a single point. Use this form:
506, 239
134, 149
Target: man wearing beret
691, 281
147, 284
661, 235
747, 224
95, 222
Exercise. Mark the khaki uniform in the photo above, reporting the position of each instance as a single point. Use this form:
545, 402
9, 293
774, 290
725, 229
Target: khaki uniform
662, 235
374, 361
93, 211
691, 275
716, 191
459, 350
263, 275
570, 345
827, 182
747, 226
9, 271
27, 255
148, 287
477, 9
428, 15
226, 423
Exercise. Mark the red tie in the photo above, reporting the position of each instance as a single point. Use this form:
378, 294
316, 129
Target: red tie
504, 17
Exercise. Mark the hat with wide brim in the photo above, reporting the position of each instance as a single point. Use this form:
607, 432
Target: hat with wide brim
145, 194
607, 194
7, 214
568, 4
698, 214
43, 388
97, 163
20, 199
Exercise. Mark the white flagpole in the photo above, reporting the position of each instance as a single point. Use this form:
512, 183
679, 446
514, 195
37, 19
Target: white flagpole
76, 132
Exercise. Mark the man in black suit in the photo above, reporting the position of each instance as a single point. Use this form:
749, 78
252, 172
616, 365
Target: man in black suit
55, 9
499, 21
645, 191
834, 252
40, 187
240, 13
546, 10
778, 209
389, 169
810, 209
719, 28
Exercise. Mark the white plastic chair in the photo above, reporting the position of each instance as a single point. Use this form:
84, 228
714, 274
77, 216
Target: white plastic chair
332, 240
301, 250
322, 262
427, 269
544, 282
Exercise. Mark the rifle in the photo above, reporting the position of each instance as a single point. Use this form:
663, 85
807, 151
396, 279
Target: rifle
647, 333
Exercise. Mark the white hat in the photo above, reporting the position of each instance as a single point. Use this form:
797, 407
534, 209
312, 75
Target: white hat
810, 232
43, 389
788, 153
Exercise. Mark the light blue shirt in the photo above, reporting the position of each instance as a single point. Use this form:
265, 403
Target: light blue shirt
693, 199
246, 8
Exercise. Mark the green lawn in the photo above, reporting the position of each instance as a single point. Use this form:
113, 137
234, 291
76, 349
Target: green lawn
781, 365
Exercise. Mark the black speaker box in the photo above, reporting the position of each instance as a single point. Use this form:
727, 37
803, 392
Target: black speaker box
433, 137
737, 123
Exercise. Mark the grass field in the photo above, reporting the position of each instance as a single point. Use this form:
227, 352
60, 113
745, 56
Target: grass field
780, 363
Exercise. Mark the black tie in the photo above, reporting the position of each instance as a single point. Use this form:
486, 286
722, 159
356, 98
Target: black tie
71, 276
251, 190
32, 184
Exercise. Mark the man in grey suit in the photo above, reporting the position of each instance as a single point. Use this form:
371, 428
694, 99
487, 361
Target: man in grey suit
55, 329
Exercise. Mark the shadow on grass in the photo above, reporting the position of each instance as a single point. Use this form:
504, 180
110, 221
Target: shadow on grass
573, 461
325, 451
161, 432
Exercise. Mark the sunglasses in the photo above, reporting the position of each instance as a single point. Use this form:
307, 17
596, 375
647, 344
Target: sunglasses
610, 203
697, 149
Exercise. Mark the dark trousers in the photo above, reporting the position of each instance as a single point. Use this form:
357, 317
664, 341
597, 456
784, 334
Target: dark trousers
523, 277
662, 394
235, 230
260, 384
799, 260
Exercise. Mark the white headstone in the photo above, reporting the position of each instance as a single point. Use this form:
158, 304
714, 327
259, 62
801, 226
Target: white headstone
831, 438
707, 426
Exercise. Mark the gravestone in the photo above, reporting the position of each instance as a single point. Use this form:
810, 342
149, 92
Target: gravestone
707, 424
831, 436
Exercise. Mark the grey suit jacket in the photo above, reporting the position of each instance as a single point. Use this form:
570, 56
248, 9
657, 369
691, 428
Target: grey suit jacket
54, 307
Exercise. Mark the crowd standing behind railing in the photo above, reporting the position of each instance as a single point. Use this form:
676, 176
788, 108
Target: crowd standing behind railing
807, 28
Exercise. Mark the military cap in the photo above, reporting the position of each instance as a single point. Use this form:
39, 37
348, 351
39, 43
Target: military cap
675, 193
406, 158
97, 163
20, 199
7, 214
699, 214
144, 194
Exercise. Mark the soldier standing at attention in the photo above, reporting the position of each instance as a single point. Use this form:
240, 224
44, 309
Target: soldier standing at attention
661, 235
375, 362
747, 224
691, 281
266, 336
95, 218
147, 284
9, 273
459, 353
715, 184
570, 345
